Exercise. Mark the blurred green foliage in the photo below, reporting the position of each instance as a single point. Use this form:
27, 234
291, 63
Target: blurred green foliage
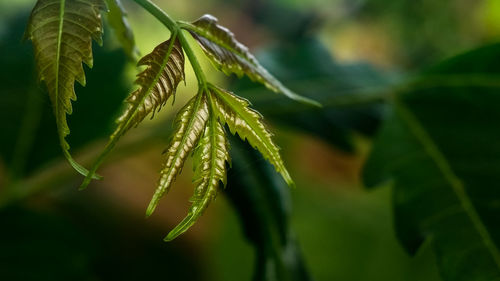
333, 230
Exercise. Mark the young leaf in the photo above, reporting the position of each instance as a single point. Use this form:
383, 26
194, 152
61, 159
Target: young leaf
235, 112
62, 33
210, 159
158, 82
230, 56
117, 19
189, 126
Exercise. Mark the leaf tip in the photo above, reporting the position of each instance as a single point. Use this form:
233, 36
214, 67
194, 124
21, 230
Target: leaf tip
181, 227
171, 236
151, 208
79, 168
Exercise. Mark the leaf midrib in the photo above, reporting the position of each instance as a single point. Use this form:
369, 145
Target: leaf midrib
58, 59
449, 175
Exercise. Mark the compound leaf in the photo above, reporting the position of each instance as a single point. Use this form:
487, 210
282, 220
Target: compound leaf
235, 112
189, 127
230, 56
117, 19
157, 83
210, 159
62, 33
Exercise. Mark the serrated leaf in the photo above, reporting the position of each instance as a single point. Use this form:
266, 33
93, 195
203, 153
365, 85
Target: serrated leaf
117, 19
240, 118
348, 92
189, 126
62, 33
157, 83
230, 56
440, 151
210, 159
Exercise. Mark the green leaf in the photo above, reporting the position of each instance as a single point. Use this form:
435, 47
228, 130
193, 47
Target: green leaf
441, 152
263, 204
210, 159
235, 112
189, 127
157, 83
230, 56
117, 19
349, 93
62, 33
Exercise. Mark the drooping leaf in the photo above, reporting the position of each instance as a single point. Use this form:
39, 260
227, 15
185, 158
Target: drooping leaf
157, 83
117, 19
27, 106
62, 33
262, 202
230, 56
189, 127
235, 112
440, 149
350, 93
210, 159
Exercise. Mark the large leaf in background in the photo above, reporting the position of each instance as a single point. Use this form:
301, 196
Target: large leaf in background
230, 56
62, 33
440, 147
28, 109
117, 19
262, 201
348, 93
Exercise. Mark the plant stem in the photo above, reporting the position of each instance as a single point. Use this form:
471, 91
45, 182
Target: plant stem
158, 13
174, 27
198, 71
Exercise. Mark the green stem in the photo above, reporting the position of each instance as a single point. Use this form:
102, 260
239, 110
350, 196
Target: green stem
158, 13
198, 71
173, 26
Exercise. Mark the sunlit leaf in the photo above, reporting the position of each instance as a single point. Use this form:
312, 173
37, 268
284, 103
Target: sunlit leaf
210, 159
231, 56
235, 112
117, 19
189, 127
157, 83
62, 33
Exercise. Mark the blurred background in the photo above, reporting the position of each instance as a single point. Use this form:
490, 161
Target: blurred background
343, 53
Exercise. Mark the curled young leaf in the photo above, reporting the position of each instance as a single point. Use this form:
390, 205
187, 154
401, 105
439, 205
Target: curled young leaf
189, 127
210, 159
230, 56
158, 82
240, 118
117, 19
62, 33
